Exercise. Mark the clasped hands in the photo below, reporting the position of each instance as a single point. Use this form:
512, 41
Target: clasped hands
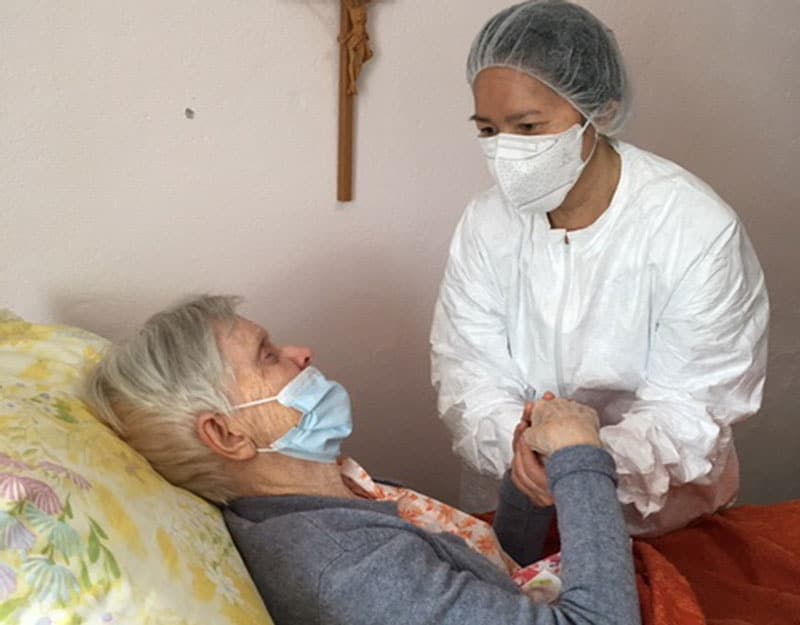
547, 425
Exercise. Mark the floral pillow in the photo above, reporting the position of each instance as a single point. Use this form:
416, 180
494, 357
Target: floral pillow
89, 532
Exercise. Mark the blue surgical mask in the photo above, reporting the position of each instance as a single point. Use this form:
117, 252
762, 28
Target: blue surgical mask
326, 422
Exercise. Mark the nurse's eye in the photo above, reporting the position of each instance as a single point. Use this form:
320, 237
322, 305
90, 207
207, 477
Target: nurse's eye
527, 129
486, 131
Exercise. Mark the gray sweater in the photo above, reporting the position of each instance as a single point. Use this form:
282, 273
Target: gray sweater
327, 561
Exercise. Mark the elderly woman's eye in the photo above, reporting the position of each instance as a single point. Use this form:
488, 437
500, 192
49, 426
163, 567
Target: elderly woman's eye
269, 355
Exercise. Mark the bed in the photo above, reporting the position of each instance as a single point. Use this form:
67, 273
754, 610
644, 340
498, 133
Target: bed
89, 533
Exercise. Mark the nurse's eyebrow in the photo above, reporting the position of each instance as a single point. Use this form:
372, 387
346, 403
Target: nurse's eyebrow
510, 119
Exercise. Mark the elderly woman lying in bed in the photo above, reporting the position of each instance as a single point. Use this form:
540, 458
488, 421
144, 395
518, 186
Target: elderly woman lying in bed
208, 398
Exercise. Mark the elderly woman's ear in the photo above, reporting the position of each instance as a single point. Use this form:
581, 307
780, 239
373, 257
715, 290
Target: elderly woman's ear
214, 433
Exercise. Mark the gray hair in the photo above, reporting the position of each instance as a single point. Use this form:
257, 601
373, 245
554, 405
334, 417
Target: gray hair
151, 388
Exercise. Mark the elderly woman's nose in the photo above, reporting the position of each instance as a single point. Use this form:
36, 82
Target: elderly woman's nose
301, 356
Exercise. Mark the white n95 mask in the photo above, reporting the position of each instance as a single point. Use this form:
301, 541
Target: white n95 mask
326, 420
536, 172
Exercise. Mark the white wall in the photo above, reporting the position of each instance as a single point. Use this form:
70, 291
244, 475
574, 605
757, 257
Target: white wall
113, 203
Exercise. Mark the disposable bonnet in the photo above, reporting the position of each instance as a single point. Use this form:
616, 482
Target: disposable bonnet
565, 47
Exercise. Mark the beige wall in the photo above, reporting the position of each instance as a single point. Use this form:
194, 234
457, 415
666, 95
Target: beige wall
112, 202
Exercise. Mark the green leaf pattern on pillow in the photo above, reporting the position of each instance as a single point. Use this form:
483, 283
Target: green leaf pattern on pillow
89, 533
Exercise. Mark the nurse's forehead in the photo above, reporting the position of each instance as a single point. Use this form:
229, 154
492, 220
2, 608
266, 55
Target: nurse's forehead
513, 92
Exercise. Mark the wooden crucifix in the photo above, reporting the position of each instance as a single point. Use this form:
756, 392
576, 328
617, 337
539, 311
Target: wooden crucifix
354, 51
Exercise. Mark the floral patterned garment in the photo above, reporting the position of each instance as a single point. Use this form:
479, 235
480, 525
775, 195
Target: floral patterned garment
540, 581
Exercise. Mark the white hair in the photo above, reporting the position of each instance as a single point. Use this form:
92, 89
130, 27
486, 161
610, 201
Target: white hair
151, 388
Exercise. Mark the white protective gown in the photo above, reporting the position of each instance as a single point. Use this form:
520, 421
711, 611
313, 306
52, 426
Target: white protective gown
656, 315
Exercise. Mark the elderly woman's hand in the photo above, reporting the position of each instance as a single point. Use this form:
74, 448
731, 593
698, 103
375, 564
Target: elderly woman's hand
560, 423
527, 470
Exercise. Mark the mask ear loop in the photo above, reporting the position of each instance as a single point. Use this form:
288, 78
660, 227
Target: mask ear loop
258, 402
596, 141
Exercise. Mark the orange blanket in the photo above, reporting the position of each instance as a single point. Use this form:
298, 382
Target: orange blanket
739, 567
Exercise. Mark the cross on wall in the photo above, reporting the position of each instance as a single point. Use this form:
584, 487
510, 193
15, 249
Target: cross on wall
354, 51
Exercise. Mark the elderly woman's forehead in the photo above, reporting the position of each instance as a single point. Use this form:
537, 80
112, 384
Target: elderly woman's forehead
238, 334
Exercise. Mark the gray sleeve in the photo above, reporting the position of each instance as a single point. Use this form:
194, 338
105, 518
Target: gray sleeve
597, 565
410, 581
521, 526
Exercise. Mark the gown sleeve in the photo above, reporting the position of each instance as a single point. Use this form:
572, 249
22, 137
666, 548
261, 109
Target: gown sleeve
705, 372
481, 390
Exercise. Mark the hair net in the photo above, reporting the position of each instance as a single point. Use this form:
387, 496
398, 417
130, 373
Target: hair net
564, 46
